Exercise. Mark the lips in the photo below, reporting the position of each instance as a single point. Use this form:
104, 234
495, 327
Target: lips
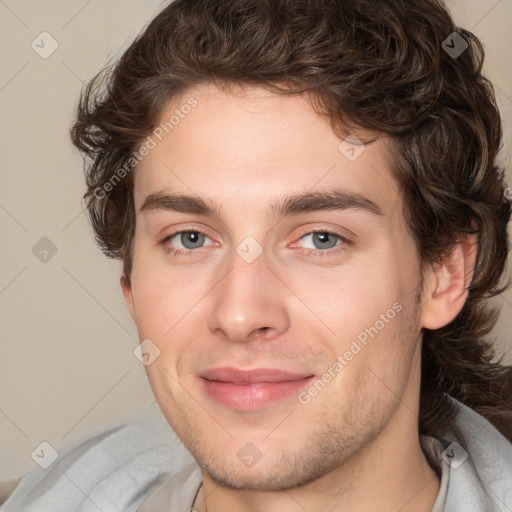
251, 389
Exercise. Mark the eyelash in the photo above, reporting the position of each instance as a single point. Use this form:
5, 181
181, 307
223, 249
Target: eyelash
319, 253
309, 252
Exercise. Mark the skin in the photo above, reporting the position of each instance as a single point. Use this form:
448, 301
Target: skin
355, 445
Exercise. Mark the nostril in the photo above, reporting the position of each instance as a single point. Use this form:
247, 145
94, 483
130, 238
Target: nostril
261, 330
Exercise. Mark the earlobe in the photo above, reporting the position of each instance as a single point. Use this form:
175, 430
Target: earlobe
128, 295
446, 287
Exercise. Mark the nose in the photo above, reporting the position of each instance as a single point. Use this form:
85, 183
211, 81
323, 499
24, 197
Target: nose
249, 302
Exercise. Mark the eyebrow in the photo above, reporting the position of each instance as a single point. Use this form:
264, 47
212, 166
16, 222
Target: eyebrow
336, 199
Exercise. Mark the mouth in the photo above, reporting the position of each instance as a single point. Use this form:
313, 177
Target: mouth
248, 390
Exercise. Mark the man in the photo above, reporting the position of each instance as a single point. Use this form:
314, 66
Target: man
305, 199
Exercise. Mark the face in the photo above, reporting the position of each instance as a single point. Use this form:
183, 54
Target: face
281, 292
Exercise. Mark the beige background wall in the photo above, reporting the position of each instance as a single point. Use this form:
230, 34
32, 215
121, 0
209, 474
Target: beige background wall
67, 364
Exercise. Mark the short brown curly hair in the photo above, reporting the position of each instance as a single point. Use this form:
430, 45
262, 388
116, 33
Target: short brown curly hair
385, 67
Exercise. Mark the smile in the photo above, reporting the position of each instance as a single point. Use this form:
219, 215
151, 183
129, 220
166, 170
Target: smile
247, 390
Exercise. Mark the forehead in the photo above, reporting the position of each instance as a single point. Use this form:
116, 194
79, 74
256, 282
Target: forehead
253, 145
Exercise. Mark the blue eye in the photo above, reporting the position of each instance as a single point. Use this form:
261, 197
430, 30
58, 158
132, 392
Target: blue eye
187, 242
189, 239
323, 239
325, 244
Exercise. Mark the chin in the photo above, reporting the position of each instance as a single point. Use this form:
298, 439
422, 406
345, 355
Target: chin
284, 472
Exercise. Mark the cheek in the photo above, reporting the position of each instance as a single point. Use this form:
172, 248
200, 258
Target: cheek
169, 312
371, 367
155, 305
367, 312
161, 294
346, 302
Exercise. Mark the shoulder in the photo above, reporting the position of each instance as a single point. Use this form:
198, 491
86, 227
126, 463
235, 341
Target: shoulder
113, 469
480, 464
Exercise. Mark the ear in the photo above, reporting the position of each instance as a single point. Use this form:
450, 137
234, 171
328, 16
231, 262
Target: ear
445, 289
128, 295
